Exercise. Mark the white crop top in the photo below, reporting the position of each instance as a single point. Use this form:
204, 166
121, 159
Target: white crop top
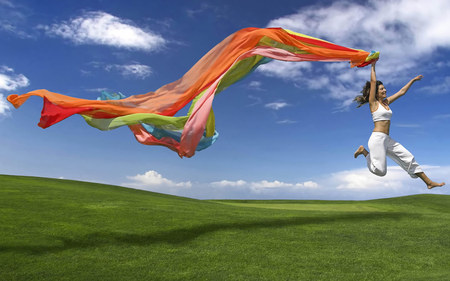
381, 114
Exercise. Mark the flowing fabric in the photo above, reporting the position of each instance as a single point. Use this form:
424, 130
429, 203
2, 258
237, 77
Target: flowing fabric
151, 117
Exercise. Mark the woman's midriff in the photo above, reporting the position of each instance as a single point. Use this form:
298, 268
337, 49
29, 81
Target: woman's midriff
382, 126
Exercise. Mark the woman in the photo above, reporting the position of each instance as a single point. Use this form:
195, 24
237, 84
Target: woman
380, 143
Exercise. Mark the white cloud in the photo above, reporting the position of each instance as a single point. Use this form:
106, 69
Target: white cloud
279, 186
9, 81
256, 100
357, 184
135, 70
319, 82
285, 70
270, 184
405, 31
286, 121
4, 106
310, 184
441, 87
441, 64
362, 179
207, 9
390, 26
6, 3
255, 85
407, 125
152, 179
105, 29
97, 90
224, 183
131, 70
276, 105
361, 184
192, 13
13, 19
442, 116
265, 186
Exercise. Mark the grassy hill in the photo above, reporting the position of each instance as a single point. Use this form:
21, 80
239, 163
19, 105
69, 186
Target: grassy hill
66, 230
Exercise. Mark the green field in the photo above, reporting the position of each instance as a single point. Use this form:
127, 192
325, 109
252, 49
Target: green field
66, 230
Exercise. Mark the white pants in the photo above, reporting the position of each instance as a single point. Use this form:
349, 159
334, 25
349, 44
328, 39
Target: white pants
380, 146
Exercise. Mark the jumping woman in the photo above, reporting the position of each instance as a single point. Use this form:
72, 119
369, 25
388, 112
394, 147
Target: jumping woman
380, 143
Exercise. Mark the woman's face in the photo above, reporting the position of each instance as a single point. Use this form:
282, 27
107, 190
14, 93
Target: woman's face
381, 92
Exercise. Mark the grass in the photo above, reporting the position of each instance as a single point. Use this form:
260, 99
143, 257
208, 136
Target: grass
66, 230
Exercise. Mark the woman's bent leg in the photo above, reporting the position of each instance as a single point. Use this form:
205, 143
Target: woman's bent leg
403, 157
406, 160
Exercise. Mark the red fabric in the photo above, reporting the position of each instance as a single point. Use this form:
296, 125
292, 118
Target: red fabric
52, 113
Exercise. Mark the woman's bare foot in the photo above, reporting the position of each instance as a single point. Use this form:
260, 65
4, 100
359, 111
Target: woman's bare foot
435, 184
430, 184
360, 150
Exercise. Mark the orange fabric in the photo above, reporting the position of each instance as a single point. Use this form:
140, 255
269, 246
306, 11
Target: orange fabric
170, 98
231, 60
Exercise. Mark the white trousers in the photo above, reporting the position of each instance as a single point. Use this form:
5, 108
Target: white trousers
382, 145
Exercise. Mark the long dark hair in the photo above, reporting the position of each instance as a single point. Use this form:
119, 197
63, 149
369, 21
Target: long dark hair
364, 98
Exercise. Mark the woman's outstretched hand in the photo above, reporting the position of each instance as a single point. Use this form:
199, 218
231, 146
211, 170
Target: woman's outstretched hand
417, 78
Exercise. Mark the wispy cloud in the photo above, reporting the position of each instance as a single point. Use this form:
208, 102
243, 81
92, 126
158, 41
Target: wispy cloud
255, 85
101, 28
133, 70
286, 121
440, 87
442, 116
441, 64
13, 19
402, 125
9, 81
4, 106
194, 12
285, 70
388, 26
97, 90
206, 9
6, 3
276, 105
256, 100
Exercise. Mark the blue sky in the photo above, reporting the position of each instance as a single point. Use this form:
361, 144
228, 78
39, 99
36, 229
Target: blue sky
287, 131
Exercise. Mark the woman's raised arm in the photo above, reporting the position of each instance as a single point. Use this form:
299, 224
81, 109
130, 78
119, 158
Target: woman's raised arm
403, 90
373, 88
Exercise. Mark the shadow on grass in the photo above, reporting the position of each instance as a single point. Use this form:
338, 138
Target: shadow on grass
186, 234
